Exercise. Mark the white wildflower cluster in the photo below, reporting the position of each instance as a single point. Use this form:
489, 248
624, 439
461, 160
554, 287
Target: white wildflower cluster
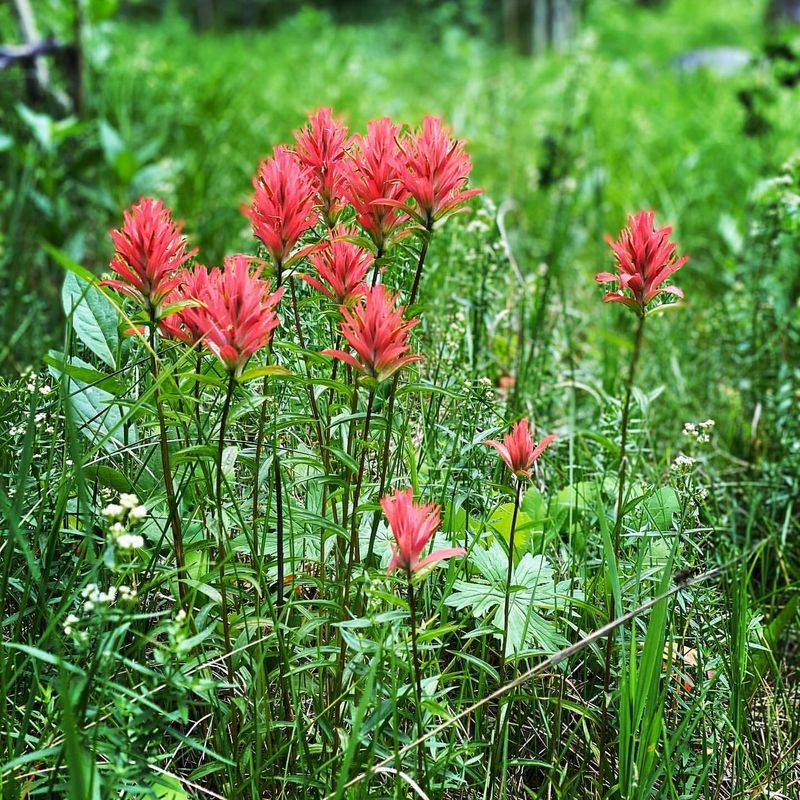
683, 465
700, 432
45, 389
95, 603
478, 226
94, 597
121, 515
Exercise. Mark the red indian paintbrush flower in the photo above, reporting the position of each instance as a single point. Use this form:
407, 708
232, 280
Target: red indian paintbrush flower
192, 289
376, 330
372, 176
238, 316
645, 259
517, 448
342, 266
413, 525
321, 147
148, 252
283, 206
437, 171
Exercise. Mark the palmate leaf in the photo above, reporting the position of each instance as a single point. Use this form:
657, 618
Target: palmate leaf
533, 590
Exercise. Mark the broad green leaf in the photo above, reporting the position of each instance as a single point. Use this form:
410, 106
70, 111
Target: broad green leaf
98, 415
168, 787
660, 507
533, 592
94, 319
502, 517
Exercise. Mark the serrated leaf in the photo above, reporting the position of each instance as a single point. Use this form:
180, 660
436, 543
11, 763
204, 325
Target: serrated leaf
533, 589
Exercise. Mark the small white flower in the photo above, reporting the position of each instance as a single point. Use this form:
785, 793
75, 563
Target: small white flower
129, 541
128, 501
113, 511
138, 512
683, 464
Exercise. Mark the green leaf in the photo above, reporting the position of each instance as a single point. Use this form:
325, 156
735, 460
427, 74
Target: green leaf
94, 319
168, 787
86, 374
659, 508
533, 591
501, 518
97, 413
267, 371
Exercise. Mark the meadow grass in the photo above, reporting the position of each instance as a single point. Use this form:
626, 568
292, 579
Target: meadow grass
694, 696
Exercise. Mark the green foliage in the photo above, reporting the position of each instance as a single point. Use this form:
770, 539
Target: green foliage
108, 689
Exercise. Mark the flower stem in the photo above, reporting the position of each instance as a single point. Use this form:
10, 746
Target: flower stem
502, 713
221, 544
426, 240
376, 268
390, 402
279, 528
623, 459
354, 549
169, 488
621, 475
412, 608
509, 574
262, 418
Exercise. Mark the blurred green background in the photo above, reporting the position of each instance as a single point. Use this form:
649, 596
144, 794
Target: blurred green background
597, 107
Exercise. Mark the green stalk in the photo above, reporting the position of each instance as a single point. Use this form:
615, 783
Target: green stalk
623, 460
169, 488
412, 608
378, 256
426, 240
392, 390
509, 573
621, 475
221, 544
262, 417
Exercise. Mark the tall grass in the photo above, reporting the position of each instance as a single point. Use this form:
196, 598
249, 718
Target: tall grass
316, 697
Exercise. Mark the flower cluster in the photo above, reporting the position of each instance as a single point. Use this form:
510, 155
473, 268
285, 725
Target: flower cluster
518, 450
149, 251
700, 432
341, 267
377, 331
282, 209
321, 147
436, 173
413, 524
645, 258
